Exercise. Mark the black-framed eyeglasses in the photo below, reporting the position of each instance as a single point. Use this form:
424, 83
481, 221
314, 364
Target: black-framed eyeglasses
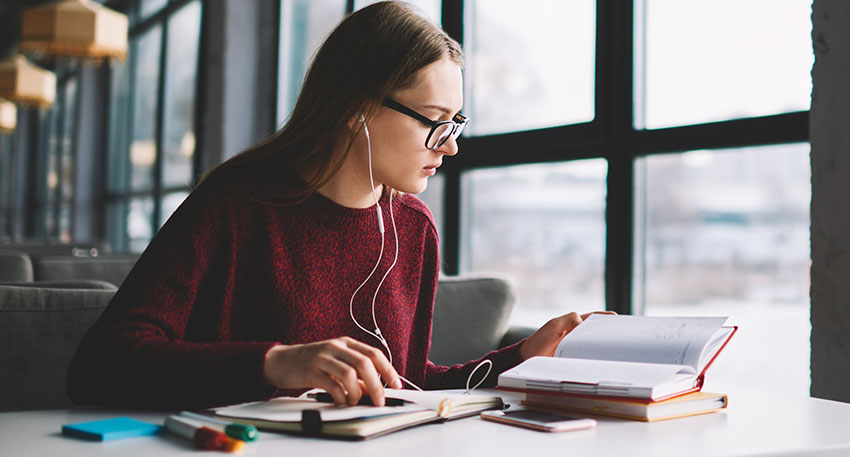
440, 132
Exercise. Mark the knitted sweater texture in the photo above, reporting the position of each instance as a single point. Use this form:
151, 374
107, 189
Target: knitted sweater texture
232, 273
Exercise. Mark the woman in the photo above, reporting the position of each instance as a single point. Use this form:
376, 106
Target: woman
276, 275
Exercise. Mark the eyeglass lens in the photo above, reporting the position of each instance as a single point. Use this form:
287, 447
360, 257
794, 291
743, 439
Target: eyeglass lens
441, 134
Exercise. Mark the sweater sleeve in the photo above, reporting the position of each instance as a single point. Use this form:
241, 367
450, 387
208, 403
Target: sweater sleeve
136, 355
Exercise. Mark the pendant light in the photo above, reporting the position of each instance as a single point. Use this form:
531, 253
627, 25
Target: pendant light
23, 82
75, 28
8, 116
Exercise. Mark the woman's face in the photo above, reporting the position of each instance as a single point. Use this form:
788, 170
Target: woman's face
399, 156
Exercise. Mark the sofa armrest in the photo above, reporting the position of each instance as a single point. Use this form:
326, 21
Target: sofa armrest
471, 316
40, 329
15, 267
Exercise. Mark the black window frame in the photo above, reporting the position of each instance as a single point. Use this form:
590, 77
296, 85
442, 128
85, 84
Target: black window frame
611, 135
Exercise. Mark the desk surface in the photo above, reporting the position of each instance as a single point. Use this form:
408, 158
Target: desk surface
755, 423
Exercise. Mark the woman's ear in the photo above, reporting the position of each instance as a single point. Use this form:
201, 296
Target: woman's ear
357, 121
361, 116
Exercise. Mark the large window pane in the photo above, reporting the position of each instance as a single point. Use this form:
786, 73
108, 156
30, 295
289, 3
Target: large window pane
529, 67
129, 227
169, 204
116, 226
118, 176
66, 165
178, 140
139, 223
723, 59
143, 147
543, 227
47, 173
727, 233
304, 24
148, 8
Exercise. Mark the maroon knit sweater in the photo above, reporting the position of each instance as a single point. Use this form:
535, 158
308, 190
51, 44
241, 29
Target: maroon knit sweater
232, 273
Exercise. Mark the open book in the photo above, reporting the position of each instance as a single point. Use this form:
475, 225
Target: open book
311, 417
626, 356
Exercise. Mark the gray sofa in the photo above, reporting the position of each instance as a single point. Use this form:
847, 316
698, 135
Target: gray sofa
42, 322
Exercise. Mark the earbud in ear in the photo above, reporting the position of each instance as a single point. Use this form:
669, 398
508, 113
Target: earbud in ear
361, 118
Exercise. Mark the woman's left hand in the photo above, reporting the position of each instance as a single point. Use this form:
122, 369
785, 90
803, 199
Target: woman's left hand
545, 340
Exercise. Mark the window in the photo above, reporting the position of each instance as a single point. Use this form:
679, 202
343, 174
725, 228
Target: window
620, 155
724, 59
726, 232
304, 26
543, 227
152, 121
529, 67
54, 175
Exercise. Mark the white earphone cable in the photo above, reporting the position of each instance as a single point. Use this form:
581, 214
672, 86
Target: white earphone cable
377, 333
380, 254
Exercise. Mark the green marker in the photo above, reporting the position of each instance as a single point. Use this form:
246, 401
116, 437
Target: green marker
239, 431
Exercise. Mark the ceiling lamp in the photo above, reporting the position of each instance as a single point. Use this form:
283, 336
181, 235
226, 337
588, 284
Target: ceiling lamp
75, 28
23, 82
8, 116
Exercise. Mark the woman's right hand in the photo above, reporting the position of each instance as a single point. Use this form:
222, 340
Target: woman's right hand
344, 367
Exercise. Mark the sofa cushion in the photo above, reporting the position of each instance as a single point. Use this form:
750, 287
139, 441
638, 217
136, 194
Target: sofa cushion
470, 318
112, 269
40, 329
15, 266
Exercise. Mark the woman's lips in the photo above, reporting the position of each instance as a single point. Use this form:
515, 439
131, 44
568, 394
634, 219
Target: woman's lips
430, 170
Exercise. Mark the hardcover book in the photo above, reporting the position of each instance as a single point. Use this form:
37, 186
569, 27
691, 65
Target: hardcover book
652, 358
643, 410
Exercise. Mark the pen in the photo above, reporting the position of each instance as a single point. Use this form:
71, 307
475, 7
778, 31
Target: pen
239, 431
204, 437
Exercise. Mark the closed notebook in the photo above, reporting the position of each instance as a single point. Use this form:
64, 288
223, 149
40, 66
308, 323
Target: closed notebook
643, 410
110, 429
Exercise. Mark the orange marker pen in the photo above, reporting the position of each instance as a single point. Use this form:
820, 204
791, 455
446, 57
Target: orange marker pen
204, 437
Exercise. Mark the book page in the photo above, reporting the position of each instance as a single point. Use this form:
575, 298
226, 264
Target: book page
570, 373
288, 409
648, 339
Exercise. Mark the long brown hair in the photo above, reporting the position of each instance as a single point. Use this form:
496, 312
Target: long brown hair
370, 54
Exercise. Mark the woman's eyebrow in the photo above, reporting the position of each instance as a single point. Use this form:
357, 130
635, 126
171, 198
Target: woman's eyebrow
444, 109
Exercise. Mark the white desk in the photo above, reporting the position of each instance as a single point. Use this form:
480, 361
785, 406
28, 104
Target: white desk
754, 424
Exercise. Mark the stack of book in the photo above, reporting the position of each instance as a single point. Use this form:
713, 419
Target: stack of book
634, 367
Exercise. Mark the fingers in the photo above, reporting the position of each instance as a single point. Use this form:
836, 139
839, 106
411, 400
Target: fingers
344, 367
335, 366
586, 315
357, 368
371, 366
379, 360
565, 323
